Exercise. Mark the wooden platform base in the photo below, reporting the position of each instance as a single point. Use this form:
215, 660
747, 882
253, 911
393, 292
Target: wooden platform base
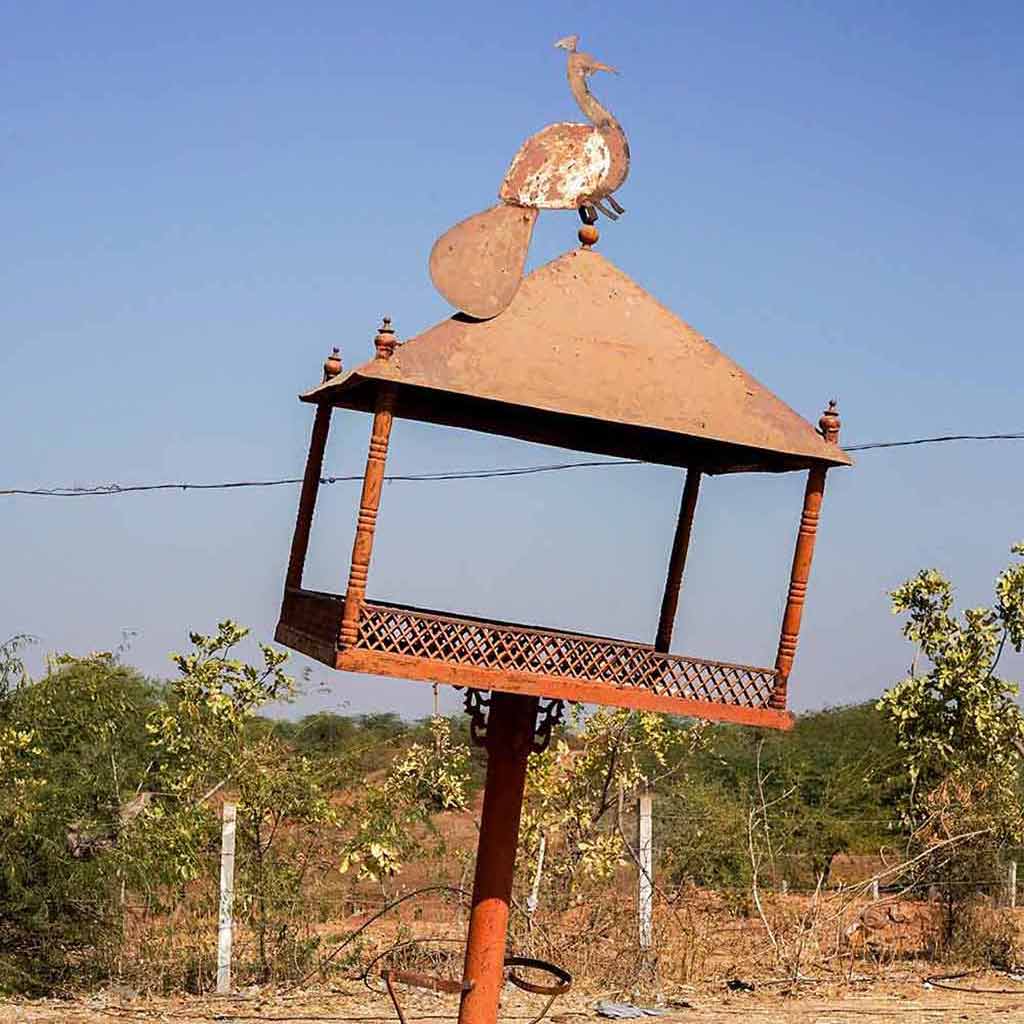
414, 643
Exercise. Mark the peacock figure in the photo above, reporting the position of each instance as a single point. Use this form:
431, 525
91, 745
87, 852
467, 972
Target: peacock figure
478, 264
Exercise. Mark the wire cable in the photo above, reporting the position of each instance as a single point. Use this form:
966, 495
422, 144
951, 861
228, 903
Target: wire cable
106, 490
874, 445
103, 490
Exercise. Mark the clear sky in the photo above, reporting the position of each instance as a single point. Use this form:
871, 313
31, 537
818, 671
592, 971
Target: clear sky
198, 200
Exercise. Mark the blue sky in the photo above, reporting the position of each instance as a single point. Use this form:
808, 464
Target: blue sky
197, 201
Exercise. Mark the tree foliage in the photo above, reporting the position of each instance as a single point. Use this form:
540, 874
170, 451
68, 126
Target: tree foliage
961, 733
111, 786
574, 787
958, 717
831, 782
72, 751
392, 820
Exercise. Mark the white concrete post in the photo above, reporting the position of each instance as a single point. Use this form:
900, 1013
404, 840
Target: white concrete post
645, 853
1011, 884
227, 897
534, 897
874, 889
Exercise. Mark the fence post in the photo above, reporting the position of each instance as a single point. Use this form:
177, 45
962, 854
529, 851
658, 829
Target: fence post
874, 889
227, 896
534, 898
645, 853
1011, 884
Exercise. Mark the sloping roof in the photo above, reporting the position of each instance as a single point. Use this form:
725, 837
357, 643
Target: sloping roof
585, 359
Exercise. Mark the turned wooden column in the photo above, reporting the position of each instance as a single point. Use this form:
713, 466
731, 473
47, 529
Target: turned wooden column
369, 502
677, 560
311, 481
802, 558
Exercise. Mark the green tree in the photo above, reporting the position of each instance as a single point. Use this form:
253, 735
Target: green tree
957, 716
392, 820
961, 732
573, 788
830, 783
73, 753
209, 739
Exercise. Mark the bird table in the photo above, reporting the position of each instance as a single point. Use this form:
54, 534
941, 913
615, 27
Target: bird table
585, 359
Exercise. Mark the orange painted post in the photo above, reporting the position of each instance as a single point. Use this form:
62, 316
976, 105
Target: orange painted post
366, 524
798, 577
307, 498
677, 561
510, 729
369, 501
802, 558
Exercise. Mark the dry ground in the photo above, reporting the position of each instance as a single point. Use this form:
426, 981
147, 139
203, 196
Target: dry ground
907, 1002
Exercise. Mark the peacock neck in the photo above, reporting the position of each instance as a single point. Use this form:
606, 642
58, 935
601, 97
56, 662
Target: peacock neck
600, 116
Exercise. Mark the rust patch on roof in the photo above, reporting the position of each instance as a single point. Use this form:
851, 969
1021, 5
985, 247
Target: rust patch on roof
584, 358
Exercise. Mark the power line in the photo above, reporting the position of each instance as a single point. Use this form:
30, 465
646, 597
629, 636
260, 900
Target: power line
104, 490
467, 474
931, 440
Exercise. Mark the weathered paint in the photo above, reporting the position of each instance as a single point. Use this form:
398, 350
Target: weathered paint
510, 726
558, 168
584, 358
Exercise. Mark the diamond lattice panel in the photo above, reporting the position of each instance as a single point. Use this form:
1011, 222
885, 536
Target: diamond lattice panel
567, 655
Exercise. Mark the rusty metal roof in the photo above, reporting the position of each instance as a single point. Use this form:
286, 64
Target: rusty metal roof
585, 359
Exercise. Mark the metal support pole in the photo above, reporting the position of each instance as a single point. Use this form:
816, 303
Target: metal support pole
645, 877
677, 561
227, 898
510, 728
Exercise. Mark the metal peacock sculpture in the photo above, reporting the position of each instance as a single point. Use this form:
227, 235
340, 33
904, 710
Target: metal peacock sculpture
478, 264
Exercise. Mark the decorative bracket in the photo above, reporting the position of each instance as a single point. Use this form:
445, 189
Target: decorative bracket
477, 704
550, 715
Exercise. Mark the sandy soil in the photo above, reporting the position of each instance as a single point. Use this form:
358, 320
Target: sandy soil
909, 1002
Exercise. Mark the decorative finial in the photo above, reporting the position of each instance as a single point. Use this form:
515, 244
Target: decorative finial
588, 233
385, 341
332, 364
830, 423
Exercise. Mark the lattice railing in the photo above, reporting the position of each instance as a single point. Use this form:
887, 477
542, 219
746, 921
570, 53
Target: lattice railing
568, 655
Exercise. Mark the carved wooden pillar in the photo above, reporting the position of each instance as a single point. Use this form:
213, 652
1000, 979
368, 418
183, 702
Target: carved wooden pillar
677, 560
311, 481
369, 502
802, 557
307, 498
